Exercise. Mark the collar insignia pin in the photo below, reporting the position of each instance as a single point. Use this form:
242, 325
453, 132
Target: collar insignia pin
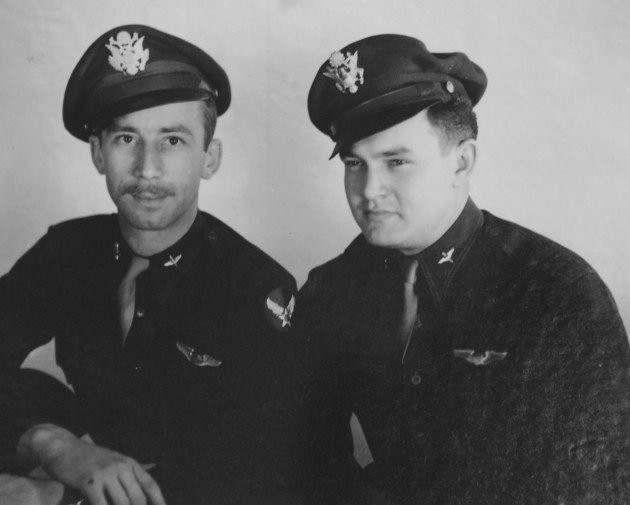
127, 54
447, 257
344, 71
172, 262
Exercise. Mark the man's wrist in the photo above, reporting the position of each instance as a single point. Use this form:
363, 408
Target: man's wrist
41, 444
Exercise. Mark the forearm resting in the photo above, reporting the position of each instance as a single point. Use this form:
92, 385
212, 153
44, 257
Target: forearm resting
44, 444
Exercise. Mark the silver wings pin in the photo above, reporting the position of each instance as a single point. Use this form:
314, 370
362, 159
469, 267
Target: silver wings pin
196, 358
479, 358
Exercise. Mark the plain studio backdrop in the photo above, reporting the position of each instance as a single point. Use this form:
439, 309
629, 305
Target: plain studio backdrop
554, 150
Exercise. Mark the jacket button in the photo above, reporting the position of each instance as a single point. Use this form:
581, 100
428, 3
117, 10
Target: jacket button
137, 367
416, 379
140, 312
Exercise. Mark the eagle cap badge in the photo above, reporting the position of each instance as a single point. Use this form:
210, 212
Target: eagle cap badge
127, 54
344, 71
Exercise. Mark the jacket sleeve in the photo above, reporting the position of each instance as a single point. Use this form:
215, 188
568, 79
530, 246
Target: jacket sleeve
326, 447
27, 304
580, 386
26, 322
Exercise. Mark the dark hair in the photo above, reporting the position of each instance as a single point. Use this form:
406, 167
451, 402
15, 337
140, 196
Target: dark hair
209, 120
456, 120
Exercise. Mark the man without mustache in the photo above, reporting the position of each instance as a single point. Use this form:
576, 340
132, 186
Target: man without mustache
485, 363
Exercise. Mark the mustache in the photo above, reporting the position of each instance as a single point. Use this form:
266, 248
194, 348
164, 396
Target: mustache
155, 189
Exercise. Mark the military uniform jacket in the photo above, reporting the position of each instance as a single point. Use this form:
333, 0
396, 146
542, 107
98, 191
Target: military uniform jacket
198, 386
514, 388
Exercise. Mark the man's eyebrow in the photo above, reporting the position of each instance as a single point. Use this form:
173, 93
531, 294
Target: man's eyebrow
396, 151
176, 128
120, 127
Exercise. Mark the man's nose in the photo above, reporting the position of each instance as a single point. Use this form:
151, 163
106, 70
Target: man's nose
148, 163
374, 184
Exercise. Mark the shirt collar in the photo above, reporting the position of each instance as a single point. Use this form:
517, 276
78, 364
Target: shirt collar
167, 266
440, 260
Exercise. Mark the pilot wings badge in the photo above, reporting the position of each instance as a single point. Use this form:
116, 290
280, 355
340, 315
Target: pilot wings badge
282, 314
197, 358
127, 54
344, 71
479, 358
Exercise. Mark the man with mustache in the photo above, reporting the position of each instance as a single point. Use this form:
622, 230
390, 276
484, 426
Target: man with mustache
170, 327
485, 363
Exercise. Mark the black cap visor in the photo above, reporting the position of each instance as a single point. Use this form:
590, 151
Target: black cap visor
388, 109
121, 95
377, 122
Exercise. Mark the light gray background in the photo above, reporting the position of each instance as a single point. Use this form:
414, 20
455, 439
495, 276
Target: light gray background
553, 125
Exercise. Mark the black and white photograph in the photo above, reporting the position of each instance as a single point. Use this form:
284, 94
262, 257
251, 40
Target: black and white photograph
314, 252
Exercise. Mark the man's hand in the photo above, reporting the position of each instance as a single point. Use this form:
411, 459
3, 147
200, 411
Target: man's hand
101, 475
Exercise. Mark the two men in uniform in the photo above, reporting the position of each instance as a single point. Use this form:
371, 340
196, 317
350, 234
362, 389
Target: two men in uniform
170, 327
485, 363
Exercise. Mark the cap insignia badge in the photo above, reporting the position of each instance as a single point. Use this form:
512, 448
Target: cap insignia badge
447, 257
344, 71
127, 54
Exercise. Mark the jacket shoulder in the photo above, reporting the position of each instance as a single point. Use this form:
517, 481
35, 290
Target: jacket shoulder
334, 274
73, 241
83, 230
247, 262
526, 249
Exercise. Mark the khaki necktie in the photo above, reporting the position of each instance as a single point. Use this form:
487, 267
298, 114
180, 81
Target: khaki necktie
127, 293
410, 305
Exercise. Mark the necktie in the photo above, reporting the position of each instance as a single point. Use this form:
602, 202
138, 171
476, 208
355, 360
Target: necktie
410, 305
127, 293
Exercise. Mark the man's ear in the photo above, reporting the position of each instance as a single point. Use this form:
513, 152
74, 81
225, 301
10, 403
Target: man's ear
466, 153
214, 153
97, 154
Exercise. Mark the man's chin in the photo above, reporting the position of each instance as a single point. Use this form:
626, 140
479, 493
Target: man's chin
145, 221
380, 238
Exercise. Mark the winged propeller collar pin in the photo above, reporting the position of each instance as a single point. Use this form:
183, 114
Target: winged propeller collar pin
447, 256
172, 261
479, 358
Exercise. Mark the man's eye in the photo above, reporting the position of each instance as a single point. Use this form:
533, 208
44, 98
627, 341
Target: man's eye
396, 162
125, 139
352, 165
174, 141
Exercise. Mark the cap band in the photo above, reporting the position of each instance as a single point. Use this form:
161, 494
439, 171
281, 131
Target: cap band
161, 75
432, 89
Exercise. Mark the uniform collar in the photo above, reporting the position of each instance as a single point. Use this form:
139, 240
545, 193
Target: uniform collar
437, 263
442, 259
167, 266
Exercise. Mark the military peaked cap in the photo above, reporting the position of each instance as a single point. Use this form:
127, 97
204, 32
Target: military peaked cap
376, 82
134, 67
